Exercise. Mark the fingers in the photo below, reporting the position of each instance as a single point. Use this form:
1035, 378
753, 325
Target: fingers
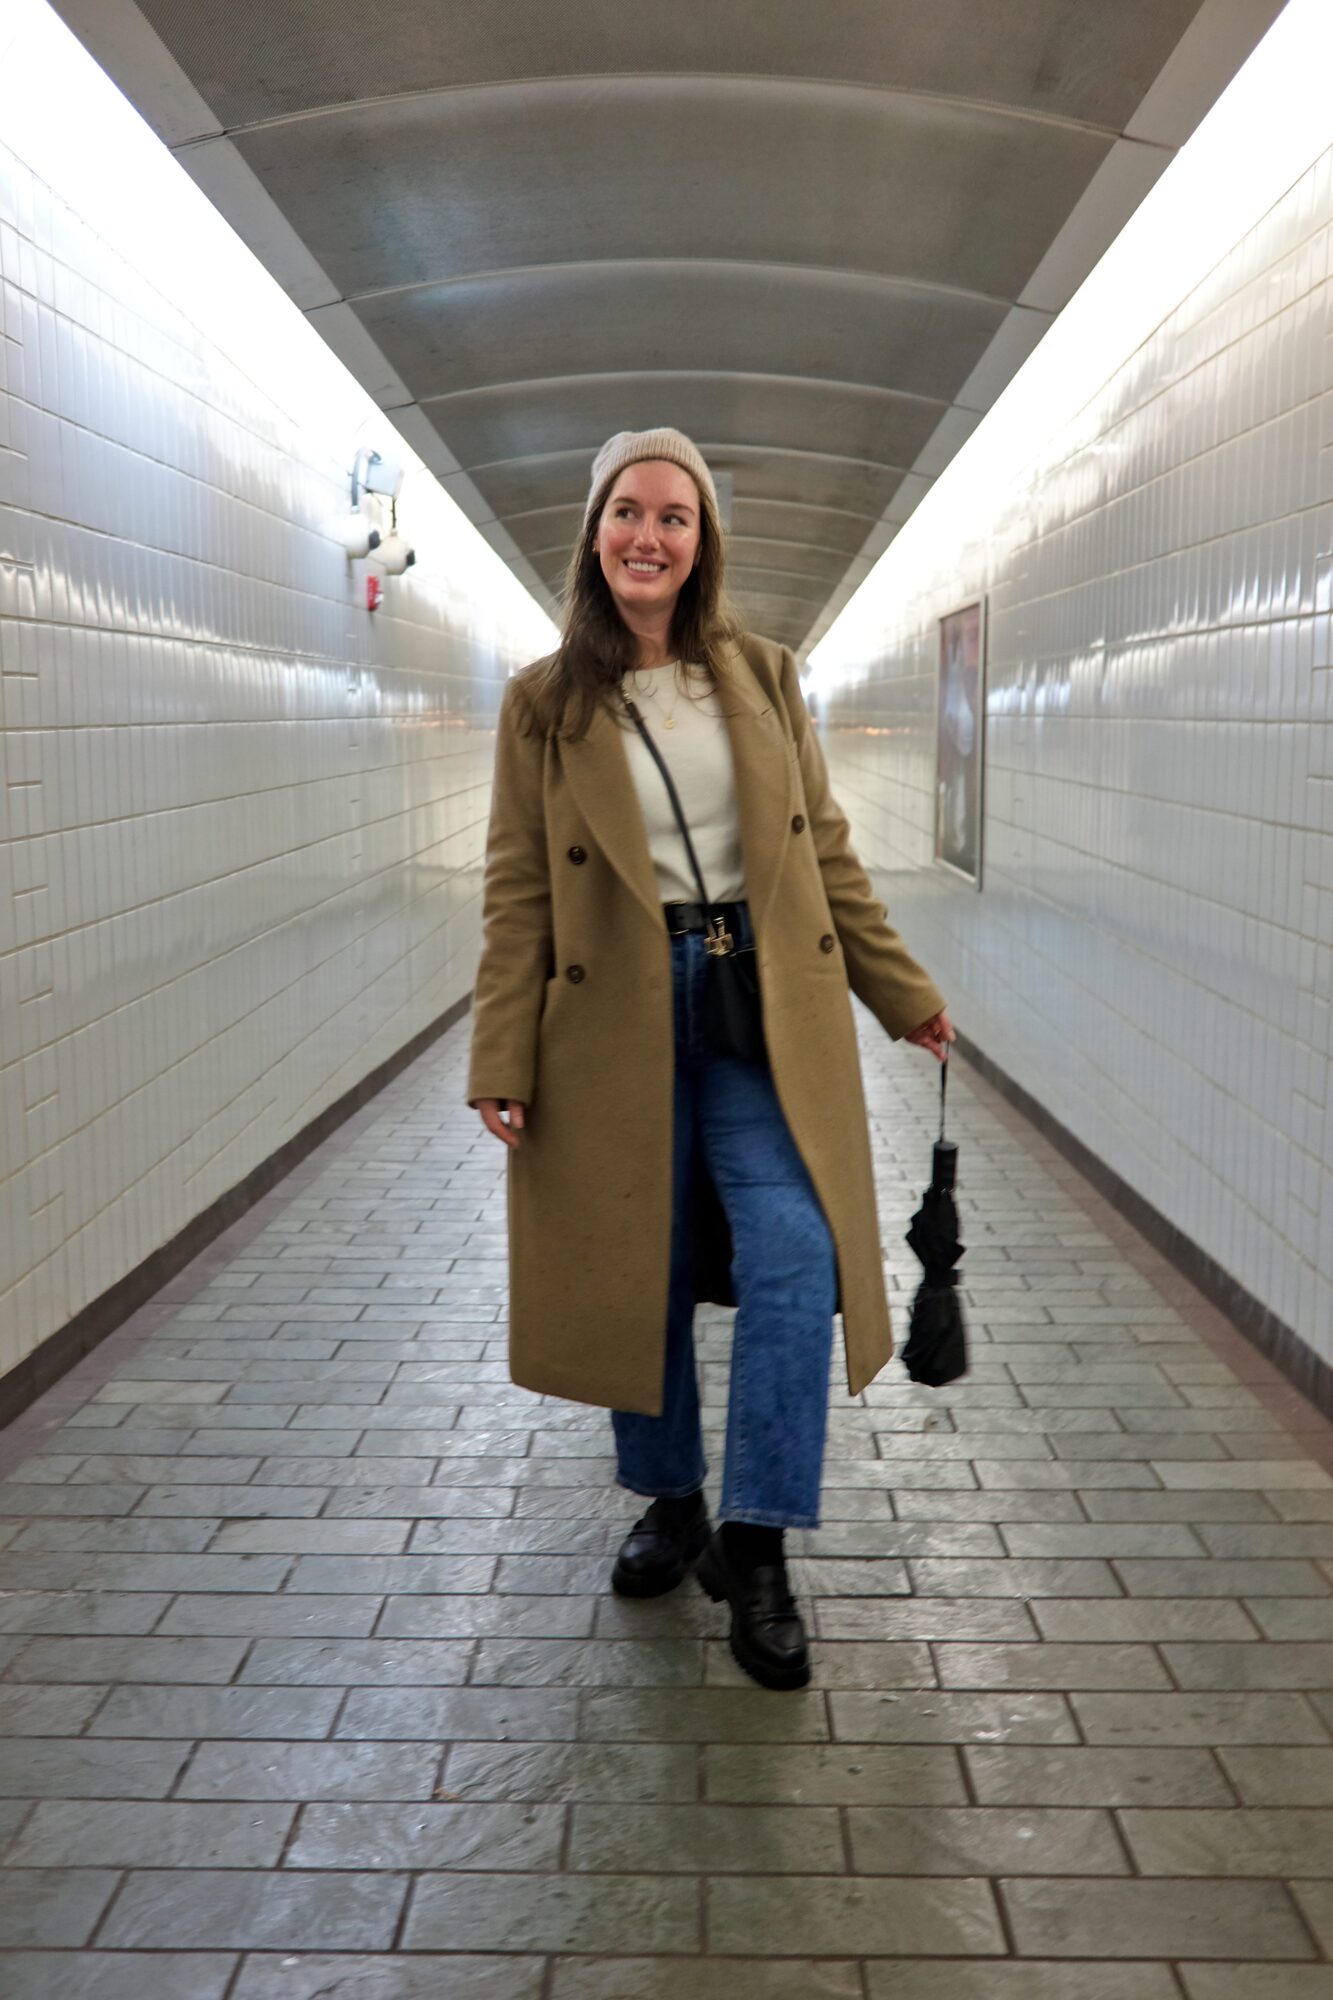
489, 1109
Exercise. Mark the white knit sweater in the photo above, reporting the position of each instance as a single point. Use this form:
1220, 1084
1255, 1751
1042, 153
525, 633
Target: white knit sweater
697, 752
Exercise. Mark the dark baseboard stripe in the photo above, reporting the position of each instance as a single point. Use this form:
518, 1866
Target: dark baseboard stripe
59, 1352
1282, 1345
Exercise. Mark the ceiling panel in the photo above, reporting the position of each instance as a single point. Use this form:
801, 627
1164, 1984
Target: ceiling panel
1090, 60
806, 236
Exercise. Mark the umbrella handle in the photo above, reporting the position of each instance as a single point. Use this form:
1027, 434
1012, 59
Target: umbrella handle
944, 1084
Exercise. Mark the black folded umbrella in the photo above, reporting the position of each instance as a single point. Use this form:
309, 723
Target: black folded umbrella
936, 1350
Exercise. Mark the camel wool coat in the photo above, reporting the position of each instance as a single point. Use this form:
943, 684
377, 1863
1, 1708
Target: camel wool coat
573, 1018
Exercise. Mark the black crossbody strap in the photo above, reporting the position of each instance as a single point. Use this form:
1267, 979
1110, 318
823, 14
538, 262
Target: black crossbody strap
656, 756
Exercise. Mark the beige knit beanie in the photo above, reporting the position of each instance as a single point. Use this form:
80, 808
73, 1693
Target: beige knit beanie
628, 447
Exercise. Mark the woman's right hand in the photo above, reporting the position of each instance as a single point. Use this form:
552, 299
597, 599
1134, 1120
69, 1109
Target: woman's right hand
489, 1109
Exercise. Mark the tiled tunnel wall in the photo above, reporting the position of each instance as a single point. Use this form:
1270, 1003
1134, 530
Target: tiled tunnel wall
241, 821
1151, 955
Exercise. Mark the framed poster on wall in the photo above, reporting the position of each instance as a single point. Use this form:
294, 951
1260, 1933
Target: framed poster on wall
960, 742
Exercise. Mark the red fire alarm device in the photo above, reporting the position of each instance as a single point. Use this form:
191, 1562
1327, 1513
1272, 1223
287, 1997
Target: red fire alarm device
374, 591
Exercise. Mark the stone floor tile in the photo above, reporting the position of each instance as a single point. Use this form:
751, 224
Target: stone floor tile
52, 1907
108, 1659
553, 1913
1067, 1577
231, 1501
391, 1575
300, 1537
722, 1979
47, 1711
949, 1717
226, 1712
1102, 1538
479, 1617
118, 1536
27, 1497
318, 1975
107, 1975
794, 1916
705, 1840
834, 1774
253, 1770
1253, 1475
1309, 1618
704, 1715
1188, 1505
71, 1767
1014, 1774
628, 1773
86, 1833
414, 1712
1102, 1621
1258, 1982
983, 1840
85, 1612
416, 1503
244, 1910
1270, 1665
435, 1836
357, 1662
902, 1618
954, 1979
1281, 1841
1051, 1665
1198, 1718
587, 1663
1179, 1919
1269, 1777
974, 1505
283, 1615
1217, 1577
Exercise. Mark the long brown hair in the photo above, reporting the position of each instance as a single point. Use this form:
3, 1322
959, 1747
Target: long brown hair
598, 647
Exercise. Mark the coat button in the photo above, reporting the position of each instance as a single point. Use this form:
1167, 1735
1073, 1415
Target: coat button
574, 973
826, 942
798, 824
577, 855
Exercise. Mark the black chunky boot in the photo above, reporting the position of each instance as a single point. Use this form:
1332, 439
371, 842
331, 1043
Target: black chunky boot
743, 1566
662, 1547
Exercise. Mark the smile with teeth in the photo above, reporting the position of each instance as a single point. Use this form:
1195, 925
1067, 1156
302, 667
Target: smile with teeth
643, 568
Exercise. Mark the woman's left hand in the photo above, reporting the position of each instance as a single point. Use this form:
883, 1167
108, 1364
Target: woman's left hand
934, 1035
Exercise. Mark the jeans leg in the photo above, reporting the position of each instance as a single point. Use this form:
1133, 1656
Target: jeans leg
664, 1455
785, 1274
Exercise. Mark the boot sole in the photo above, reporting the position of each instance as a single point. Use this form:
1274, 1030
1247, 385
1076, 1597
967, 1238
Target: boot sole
626, 1583
760, 1670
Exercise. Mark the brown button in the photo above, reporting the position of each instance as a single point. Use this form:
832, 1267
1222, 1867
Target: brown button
577, 855
826, 942
574, 973
798, 824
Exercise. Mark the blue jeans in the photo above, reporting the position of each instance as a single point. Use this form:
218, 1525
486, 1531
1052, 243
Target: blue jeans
785, 1276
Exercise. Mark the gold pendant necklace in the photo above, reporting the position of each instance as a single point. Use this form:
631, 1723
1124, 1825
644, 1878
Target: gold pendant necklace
668, 721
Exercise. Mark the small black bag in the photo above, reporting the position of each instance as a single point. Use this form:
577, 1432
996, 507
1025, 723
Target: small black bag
733, 1008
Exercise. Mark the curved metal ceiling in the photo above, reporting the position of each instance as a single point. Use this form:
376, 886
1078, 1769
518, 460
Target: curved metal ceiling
819, 241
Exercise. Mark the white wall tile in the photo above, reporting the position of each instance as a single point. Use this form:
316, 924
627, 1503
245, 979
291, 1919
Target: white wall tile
1152, 952
241, 822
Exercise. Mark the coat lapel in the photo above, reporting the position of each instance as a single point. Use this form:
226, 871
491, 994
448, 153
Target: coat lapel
598, 774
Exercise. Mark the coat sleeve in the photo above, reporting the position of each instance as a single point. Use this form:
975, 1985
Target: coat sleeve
880, 969
516, 916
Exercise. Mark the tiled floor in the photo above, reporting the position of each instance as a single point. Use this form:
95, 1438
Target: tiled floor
311, 1684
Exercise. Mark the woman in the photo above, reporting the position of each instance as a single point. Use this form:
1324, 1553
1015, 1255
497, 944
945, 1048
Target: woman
646, 1172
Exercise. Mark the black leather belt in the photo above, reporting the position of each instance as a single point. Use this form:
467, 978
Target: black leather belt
694, 916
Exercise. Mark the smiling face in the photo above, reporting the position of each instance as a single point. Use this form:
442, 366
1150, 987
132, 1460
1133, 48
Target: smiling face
649, 537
